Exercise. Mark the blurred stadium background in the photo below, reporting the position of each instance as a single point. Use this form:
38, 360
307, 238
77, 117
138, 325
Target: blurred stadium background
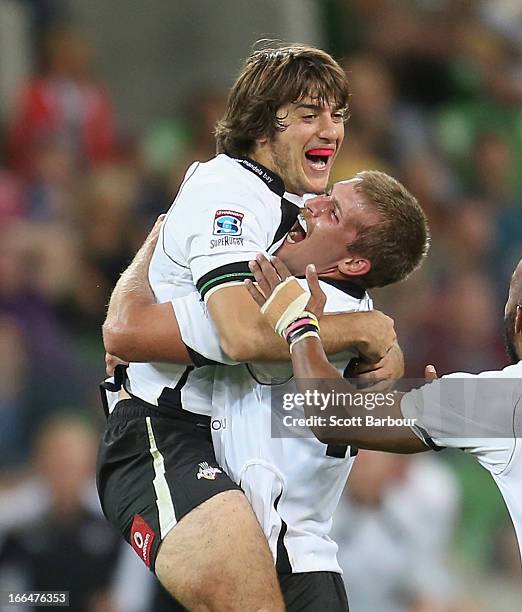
102, 107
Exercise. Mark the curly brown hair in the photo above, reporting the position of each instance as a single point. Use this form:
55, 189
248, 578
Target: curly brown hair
270, 79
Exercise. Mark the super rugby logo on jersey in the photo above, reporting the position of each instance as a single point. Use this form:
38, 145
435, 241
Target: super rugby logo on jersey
208, 472
228, 223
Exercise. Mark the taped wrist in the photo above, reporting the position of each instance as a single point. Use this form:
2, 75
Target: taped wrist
285, 305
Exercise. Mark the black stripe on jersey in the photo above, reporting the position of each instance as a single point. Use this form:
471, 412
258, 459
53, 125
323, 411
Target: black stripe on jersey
171, 398
237, 271
424, 436
283, 565
289, 213
349, 370
345, 286
337, 450
198, 359
273, 181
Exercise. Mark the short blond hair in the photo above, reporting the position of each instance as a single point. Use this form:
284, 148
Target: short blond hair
397, 244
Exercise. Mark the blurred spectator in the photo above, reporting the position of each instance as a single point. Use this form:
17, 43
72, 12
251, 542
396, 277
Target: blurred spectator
173, 144
34, 266
11, 201
68, 545
394, 526
382, 130
13, 398
63, 104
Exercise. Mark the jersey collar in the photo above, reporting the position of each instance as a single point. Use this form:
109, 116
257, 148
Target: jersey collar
273, 181
346, 286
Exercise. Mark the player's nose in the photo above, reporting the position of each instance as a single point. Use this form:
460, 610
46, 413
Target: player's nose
318, 206
329, 129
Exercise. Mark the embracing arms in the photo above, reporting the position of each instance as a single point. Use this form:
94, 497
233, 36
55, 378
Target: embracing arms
139, 329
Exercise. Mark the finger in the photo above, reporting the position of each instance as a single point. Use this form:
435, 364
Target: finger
260, 277
318, 295
430, 373
269, 271
280, 267
254, 292
312, 279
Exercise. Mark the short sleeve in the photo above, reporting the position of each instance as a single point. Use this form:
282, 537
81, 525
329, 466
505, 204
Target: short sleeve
216, 230
462, 411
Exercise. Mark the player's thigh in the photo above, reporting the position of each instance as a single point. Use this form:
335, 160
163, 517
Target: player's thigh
217, 555
159, 481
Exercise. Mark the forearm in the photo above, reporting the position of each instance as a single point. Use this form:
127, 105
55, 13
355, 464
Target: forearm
369, 333
246, 336
351, 421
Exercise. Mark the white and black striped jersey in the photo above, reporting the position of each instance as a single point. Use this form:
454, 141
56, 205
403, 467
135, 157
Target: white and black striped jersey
482, 415
293, 481
226, 212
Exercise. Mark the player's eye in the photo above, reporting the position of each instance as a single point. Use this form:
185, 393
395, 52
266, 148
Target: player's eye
338, 116
309, 117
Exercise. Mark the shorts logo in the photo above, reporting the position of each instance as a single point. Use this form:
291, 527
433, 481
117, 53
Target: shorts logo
142, 537
208, 472
228, 223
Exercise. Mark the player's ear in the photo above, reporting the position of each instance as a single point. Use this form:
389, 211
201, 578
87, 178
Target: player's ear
354, 266
518, 320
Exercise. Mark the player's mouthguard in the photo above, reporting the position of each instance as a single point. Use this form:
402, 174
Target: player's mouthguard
319, 157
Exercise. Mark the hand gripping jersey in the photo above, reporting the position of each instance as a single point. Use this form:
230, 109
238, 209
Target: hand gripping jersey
226, 211
482, 415
294, 483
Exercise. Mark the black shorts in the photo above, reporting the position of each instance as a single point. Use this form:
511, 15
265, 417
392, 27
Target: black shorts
153, 468
313, 592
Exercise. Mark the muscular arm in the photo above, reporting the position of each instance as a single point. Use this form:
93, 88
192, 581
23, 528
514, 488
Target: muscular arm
246, 336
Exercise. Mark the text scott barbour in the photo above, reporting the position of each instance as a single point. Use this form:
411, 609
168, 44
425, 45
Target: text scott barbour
356, 421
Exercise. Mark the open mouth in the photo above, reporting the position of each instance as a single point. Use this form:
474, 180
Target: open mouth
319, 158
298, 231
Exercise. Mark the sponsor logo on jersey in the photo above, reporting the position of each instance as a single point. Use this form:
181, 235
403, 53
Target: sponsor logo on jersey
142, 537
226, 241
207, 471
228, 223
